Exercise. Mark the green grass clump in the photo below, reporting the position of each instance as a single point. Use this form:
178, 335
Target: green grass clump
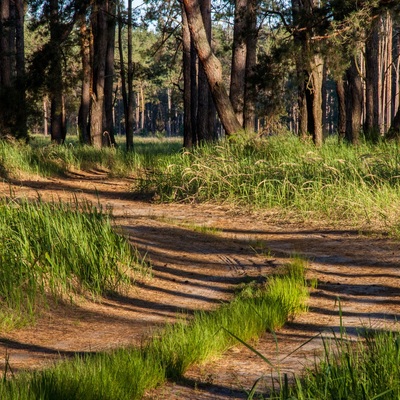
366, 369
42, 158
337, 182
55, 249
127, 373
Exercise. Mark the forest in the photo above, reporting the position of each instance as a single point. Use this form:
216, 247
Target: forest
199, 69
199, 199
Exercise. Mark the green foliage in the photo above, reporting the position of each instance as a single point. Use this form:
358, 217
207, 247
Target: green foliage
44, 159
336, 182
57, 249
366, 369
127, 373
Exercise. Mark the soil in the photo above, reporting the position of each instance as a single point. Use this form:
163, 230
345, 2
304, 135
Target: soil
201, 268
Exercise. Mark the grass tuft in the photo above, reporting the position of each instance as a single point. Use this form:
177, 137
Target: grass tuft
57, 249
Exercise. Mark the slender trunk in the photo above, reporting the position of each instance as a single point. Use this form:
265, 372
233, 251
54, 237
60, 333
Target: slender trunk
371, 79
194, 69
56, 79
251, 61
342, 108
45, 116
354, 102
20, 110
84, 109
203, 90
169, 113
239, 56
99, 29
212, 68
317, 72
131, 98
187, 122
5, 45
109, 138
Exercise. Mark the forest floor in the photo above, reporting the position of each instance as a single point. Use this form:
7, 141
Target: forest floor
200, 254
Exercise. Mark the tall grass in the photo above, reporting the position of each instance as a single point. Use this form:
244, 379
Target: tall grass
336, 181
368, 368
45, 159
126, 374
55, 249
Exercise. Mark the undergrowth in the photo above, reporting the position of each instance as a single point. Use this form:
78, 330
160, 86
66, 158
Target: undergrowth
128, 373
54, 250
335, 182
366, 368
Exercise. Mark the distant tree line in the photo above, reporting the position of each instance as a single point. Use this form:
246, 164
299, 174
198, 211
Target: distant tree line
200, 68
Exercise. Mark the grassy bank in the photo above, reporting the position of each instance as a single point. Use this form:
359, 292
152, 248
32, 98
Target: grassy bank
56, 250
44, 159
336, 182
127, 373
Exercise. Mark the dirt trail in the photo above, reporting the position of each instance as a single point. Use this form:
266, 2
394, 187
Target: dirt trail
194, 270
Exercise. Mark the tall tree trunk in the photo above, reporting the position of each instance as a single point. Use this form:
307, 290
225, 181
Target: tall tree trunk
203, 90
99, 29
194, 91
187, 99
109, 138
131, 95
84, 109
317, 73
21, 123
5, 45
354, 102
371, 78
212, 68
340, 89
239, 57
251, 61
56, 78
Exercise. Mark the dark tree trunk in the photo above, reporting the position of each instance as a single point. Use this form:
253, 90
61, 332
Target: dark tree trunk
340, 89
212, 68
354, 103
371, 79
84, 109
131, 97
251, 61
56, 78
239, 57
99, 29
187, 122
109, 75
203, 89
194, 100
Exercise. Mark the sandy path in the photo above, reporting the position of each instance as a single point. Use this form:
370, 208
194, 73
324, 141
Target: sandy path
194, 270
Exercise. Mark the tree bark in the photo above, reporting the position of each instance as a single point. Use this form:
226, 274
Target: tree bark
84, 109
109, 138
212, 68
203, 89
317, 73
251, 61
56, 78
371, 79
131, 97
99, 29
342, 108
239, 57
187, 122
354, 102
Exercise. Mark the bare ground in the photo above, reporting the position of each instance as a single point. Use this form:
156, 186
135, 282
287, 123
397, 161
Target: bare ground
198, 270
